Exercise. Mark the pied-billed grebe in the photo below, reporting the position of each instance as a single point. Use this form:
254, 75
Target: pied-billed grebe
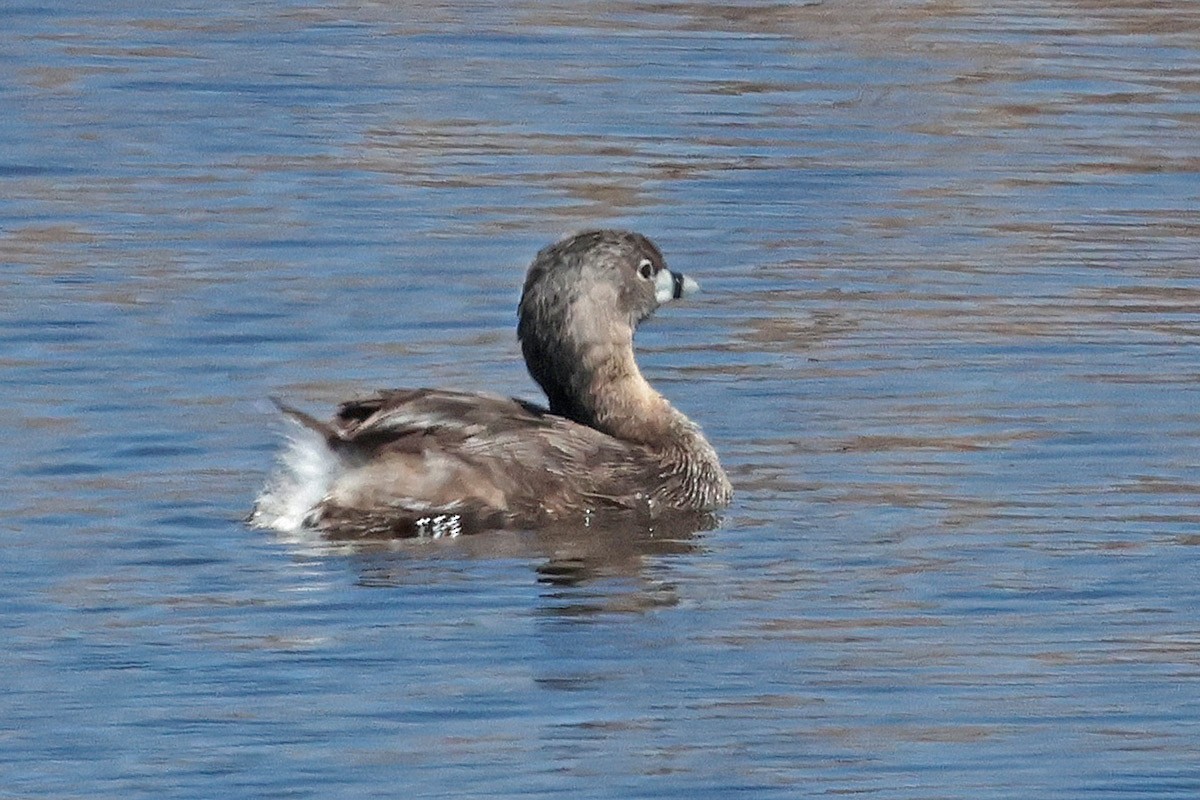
437, 462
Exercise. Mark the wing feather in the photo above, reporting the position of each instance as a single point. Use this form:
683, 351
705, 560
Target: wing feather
416, 455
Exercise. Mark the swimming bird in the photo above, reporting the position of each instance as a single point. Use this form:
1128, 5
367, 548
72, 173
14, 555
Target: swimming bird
438, 462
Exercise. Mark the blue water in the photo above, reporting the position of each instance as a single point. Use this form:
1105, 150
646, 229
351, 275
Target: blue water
948, 350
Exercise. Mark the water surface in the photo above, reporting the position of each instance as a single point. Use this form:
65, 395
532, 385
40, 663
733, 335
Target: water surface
947, 349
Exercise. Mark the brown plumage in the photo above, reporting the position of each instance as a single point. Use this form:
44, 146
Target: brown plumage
437, 462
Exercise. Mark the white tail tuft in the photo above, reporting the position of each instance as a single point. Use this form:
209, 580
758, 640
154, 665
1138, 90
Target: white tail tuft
306, 470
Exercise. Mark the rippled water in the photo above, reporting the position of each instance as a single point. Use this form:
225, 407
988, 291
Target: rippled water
948, 351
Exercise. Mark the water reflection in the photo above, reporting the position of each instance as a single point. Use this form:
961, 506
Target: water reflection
617, 565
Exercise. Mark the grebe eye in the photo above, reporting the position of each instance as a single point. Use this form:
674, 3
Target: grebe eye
646, 269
